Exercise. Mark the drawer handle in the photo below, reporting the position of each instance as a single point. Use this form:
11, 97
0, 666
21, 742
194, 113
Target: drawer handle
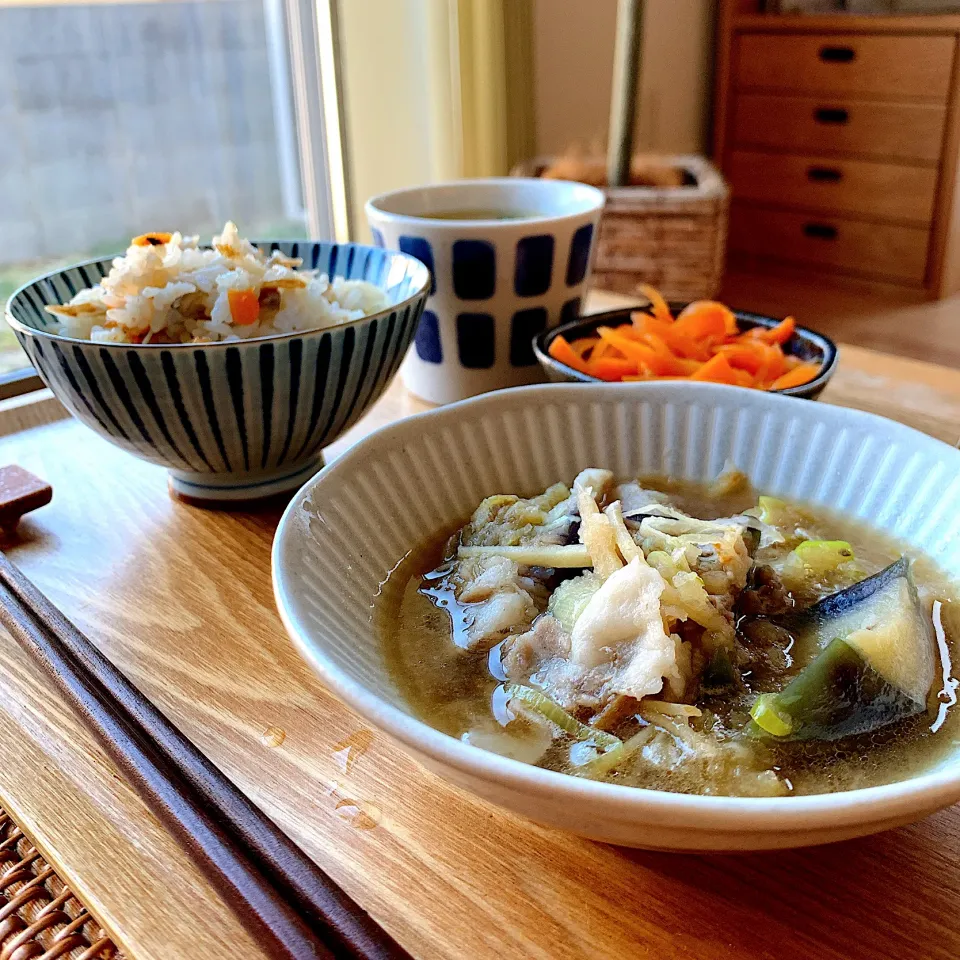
820, 231
831, 115
837, 54
824, 174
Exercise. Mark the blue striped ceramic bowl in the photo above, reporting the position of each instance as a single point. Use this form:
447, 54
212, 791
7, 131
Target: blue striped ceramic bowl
236, 420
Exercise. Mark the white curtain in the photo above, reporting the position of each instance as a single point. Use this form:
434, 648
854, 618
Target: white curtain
401, 96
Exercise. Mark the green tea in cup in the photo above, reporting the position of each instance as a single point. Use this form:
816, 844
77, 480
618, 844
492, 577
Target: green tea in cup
479, 213
510, 257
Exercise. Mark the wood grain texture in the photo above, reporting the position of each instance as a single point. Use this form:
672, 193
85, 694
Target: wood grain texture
94, 830
911, 132
897, 78
944, 266
886, 251
180, 599
724, 59
881, 66
865, 189
749, 18
899, 320
30, 410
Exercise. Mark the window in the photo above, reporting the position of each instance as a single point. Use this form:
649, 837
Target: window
127, 117
124, 118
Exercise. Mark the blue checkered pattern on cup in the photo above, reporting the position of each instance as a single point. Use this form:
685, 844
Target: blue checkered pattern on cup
496, 283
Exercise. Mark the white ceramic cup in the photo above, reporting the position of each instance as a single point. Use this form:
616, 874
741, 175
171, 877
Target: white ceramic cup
496, 282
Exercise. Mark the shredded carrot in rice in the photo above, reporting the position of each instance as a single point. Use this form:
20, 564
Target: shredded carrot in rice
152, 239
244, 306
703, 342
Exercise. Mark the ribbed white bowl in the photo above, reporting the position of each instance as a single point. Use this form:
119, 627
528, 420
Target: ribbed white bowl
349, 526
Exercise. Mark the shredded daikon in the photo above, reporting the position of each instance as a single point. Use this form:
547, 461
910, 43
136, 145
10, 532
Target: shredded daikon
570, 557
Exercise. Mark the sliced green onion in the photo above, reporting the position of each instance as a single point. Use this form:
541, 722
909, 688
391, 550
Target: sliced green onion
553, 712
817, 557
768, 718
817, 552
571, 597
772, 510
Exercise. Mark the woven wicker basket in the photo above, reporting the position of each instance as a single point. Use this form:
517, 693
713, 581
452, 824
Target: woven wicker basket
673, 238
40, 917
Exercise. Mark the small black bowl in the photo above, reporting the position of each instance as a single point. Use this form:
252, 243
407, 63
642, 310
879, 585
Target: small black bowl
805, 344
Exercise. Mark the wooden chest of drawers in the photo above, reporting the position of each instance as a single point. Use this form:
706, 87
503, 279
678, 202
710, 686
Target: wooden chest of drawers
843, 64
870, 129
867, 188
838, 135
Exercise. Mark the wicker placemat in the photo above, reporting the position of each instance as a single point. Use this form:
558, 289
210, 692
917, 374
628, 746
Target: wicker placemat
40, 918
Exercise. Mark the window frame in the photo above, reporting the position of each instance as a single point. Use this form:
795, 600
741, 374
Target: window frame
310, 29
316, 76
17, 383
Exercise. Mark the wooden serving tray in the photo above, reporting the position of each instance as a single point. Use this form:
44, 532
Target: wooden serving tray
180, 599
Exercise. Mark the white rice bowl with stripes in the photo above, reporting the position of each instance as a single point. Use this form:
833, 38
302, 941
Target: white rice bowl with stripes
167, 289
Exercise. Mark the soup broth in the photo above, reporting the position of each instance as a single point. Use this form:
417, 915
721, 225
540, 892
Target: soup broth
479, 213
776, 692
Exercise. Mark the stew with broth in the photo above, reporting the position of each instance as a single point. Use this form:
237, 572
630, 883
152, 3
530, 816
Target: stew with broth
679, 637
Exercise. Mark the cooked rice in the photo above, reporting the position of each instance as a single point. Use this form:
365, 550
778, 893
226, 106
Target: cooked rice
165, 289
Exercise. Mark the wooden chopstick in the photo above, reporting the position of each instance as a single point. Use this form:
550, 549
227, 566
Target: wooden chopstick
291, 906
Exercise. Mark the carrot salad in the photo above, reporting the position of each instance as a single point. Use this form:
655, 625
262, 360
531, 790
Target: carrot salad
703, 342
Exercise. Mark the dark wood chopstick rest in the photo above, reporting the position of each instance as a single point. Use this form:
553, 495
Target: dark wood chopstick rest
20, 492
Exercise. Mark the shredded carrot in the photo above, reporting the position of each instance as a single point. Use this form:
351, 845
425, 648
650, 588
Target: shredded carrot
609, 368
601, 348
151, 239
669, 362
752, 357
703, 343
716, 369
781, 333
796, 377
706, 320
631, 332
778, 363
691, 349
679, 343
644, 322
659, 306
562, 352
244, 307
638, 352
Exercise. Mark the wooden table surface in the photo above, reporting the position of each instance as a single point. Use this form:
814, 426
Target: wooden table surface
180, 599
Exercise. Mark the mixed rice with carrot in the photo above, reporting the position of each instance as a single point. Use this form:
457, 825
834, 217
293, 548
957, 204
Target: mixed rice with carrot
167, 289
